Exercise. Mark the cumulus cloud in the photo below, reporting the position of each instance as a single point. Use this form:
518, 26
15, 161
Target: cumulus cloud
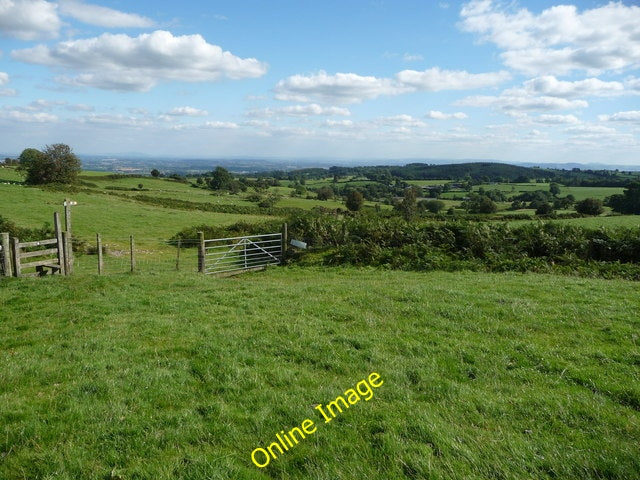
550, 85
29, 19
124, 63
80, 107
102, 16
5, 92
436, 115
549, 119
20, 115
629, 116
509, 102
560, 39
399, 121
338, 88
188, 112
435, 80
344, 88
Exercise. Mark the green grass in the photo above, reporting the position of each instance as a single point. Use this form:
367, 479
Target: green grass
181, 376
114, 217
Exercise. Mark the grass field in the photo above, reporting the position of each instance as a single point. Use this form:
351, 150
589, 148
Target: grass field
181, 376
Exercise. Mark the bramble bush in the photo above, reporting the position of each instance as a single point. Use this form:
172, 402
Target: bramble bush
452, 245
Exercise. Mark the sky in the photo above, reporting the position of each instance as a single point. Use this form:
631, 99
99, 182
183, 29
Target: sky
516, 81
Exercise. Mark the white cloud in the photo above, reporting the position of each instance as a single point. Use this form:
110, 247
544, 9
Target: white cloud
44, 105
510, 102
630, 116
124, 63
102, 16
412, 57
550, 85
19, 115
435, 80
399, 121
436, 115
300, 111
188, 112
560, 39
5, 92
590, 129
80, 107
549, 119
221, 125
344, 88
29, 19
338, 88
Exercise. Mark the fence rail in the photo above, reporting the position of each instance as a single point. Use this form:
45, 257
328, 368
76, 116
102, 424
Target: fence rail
224, 255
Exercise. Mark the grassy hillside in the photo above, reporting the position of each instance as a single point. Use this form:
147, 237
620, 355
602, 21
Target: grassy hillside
180, 376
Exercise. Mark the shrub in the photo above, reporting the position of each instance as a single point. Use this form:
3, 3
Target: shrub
589, 206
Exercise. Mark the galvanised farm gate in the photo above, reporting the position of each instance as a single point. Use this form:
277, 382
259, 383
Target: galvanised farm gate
224, 255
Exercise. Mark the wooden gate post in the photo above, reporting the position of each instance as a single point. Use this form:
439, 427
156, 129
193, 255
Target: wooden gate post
285, 235
15, 248
67, 226
6, 255
133, 254
67, 256
99, 245
201, 252
61, 250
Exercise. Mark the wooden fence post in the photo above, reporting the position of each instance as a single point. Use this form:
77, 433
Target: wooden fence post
67, 226
66, 255
61, 255
178, 255
285, 235
6, 255
201, 252
133, 254
99, 245
15, 247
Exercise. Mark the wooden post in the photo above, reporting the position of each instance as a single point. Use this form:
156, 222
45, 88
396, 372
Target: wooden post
61, 255
67, 227
285, 235
133, 254
6, 255
99, 245
67, 215
178, 254
15, 247
66, 246
201, 252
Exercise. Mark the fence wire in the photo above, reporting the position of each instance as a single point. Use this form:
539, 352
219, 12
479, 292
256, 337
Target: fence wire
149, 255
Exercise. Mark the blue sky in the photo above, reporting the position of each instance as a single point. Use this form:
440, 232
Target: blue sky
352, 79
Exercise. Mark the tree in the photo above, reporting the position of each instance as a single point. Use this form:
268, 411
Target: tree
433, 206
589, 206
409, 202
628, 201
544, 209
221, 179
355, 200
554, 188
56, 164
480, 204
324, 193
155, 173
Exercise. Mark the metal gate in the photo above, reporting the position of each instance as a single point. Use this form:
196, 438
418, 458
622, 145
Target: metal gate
223, 255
